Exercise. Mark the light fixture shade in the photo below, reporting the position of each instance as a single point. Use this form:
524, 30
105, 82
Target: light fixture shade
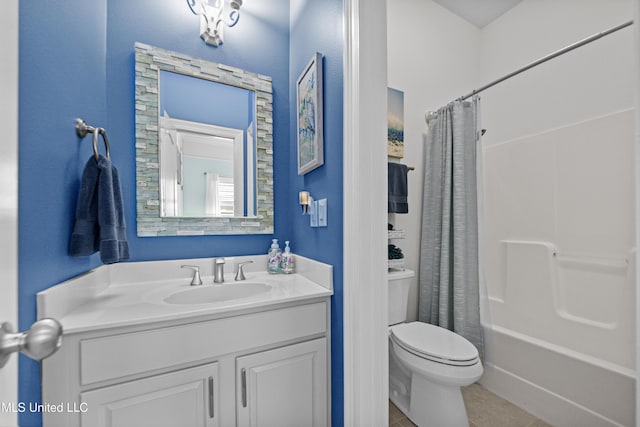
210, 29
212, 17
305, 201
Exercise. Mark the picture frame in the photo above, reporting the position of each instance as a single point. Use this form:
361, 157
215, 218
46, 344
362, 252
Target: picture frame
395, 123
309, 116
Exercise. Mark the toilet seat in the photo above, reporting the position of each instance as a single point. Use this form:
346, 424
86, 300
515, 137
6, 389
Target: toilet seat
434, 343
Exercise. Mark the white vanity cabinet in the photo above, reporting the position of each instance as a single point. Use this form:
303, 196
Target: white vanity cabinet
267, 366
283, 387
185, 398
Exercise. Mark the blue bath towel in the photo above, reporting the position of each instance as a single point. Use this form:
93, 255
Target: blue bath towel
397, 188
100, 224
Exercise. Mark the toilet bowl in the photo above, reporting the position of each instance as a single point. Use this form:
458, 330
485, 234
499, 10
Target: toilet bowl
428, 365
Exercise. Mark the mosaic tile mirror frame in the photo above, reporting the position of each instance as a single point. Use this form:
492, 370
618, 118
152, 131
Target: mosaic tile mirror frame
149, 61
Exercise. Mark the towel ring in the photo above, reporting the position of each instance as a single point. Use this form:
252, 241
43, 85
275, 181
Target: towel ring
96, 153
82, 129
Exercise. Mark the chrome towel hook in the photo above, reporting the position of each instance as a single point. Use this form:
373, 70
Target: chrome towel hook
82, 129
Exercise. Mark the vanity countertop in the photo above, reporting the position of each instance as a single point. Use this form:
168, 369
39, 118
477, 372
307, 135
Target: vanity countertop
115, 296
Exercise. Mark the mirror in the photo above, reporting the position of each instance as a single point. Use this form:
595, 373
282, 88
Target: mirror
204, 158
206, 151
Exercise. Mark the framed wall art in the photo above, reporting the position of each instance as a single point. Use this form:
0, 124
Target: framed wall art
309, 116
395, 123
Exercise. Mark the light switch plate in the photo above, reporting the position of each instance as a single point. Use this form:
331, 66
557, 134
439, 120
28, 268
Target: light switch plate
322, 212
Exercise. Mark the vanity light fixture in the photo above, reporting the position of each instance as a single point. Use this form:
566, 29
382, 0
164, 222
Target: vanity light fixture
305, 202
316, 209
214, 13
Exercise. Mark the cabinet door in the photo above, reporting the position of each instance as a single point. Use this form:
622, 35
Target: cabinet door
284, 387
186, 398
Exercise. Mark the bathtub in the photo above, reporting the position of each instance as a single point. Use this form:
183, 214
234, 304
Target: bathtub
559, 334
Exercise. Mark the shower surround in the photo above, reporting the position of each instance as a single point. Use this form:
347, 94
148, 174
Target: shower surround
558, 313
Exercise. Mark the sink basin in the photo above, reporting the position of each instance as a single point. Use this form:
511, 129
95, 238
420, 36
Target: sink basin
216, 293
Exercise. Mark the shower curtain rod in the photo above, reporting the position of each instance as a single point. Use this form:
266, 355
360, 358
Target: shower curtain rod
548, 57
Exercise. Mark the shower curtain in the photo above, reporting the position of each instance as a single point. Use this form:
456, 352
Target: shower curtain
449, 277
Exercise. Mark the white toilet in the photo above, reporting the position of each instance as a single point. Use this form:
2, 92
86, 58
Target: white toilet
427, 364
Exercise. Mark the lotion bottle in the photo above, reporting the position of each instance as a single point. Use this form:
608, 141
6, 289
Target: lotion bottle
273, 257
287, 263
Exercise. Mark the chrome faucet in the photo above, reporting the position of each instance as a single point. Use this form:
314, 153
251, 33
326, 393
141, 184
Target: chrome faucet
240, 271
218, 270
196, 281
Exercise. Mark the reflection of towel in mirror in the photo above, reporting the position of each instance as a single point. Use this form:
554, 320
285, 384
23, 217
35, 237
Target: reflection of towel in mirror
397, 182
100, 223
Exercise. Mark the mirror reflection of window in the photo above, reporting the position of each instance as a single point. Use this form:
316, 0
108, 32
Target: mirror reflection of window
219, 195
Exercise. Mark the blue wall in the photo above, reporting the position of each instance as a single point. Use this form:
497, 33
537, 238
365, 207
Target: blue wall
76, 60
62, 62
318, 27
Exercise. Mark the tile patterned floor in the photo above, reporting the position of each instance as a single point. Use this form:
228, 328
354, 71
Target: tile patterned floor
484, 409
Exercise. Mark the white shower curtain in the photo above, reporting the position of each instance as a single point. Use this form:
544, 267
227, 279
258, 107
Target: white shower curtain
449, 277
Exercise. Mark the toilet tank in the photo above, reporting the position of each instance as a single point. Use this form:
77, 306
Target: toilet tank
399, 285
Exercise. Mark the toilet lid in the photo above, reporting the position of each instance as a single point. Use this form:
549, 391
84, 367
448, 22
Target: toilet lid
435, 343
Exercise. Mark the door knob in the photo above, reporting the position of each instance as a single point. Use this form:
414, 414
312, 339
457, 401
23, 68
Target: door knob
41, 341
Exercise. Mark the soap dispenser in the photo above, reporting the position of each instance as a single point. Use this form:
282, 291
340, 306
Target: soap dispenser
273, 257
287, 259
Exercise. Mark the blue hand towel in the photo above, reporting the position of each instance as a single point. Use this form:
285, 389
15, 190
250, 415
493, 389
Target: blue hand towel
84, 239
113, 237
100, 224
397, 188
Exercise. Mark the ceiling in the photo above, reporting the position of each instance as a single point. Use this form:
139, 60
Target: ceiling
478, 12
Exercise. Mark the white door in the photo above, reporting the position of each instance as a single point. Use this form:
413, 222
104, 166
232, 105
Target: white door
186, 398
9, 197
284, 387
